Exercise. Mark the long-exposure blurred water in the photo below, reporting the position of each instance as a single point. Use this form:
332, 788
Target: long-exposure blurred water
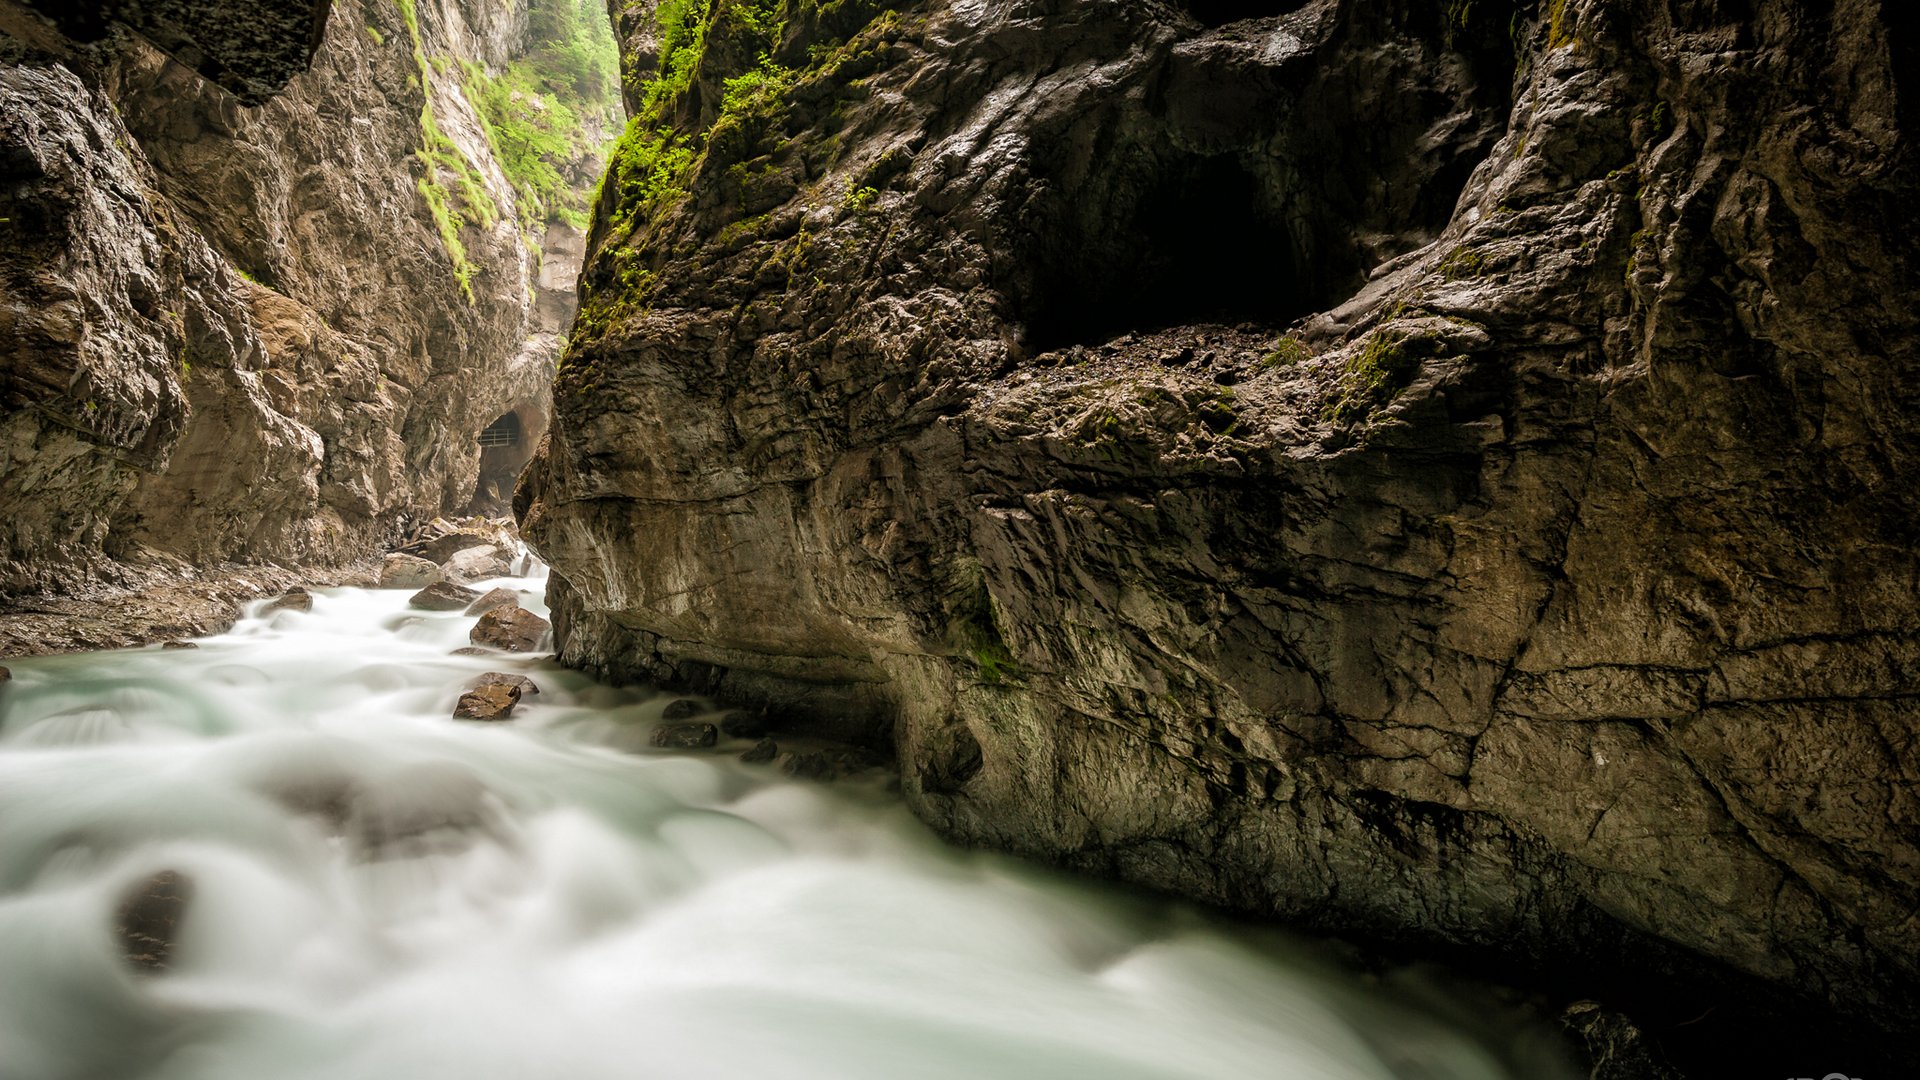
380, 891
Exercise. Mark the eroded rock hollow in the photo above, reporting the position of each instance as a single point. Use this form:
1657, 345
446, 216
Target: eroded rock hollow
1438, 471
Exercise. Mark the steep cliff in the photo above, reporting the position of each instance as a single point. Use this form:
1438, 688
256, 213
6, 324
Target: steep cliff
271, 333
1435, 471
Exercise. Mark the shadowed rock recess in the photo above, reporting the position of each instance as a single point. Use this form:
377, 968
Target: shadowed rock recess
1548, 593
274, 332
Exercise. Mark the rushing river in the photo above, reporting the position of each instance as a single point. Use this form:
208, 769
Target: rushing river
375, 891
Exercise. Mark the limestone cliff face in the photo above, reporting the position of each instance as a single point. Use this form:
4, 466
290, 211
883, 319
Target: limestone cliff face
1550, 587
263, 333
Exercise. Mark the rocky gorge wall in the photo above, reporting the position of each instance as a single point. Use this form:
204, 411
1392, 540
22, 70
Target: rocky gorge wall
1432, 471
256, 313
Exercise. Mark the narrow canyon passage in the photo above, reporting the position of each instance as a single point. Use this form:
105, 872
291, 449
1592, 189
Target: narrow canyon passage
1432, 478
374, 889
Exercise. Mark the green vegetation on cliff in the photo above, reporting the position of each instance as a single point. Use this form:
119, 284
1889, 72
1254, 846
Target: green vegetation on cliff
722, 100
443, 163
539, 112
532, 115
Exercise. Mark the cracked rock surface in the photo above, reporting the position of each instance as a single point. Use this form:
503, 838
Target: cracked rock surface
1395, 479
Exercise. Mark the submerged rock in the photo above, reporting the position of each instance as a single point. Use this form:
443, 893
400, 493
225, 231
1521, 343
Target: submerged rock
681, 709
761, 752
148, 920
424, 809
443, 596
178, 645
497, 597
488, 701
399, 571
684, 736
294, 599
513, 629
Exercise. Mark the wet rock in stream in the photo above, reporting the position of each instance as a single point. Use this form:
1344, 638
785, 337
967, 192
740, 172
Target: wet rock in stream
492, 599
513, 629
407, 572
490, 701
294, 599
148, 920
500, 678
443, 596
684, 736
681, 709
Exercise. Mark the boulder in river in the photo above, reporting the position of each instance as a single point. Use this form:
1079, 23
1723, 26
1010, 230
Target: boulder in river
763, 751
5, 675
494, 598
474, 650
514, 629
399, 571
294, 599
178, 645
443, 596
681, 709
501, 678
684, 736
488, 701
149, 919
476, 563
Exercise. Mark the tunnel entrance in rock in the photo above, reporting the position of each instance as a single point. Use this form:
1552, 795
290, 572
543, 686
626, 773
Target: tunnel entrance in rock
502, 432
1222, 12
506, 445
1201, 241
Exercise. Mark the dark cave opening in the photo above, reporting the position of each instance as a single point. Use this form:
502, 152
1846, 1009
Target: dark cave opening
506, 445
1222, 12
1203, 241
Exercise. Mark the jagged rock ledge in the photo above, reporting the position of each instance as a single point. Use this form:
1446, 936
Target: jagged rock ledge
165, 608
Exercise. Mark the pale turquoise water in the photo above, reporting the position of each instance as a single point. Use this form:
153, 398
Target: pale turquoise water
541, 900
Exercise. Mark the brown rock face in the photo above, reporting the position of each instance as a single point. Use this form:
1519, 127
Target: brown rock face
1549, 590
513, 629
489, 701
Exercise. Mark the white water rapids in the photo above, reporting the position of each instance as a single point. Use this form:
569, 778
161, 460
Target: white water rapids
380, 892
